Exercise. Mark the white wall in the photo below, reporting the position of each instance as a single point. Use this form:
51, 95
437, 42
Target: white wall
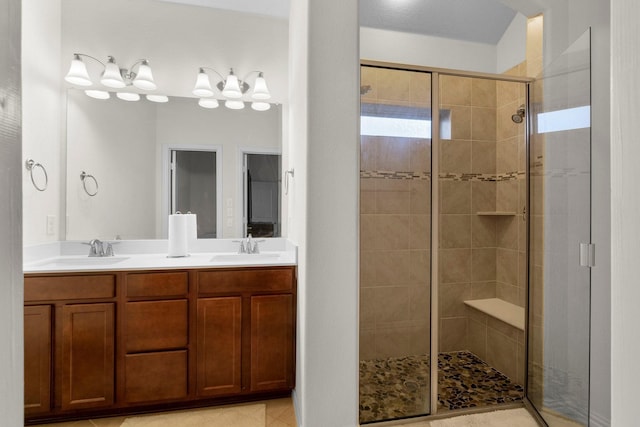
42, 116
625, 205
416, 49
512, 47
11, 288
177, 40
324, 126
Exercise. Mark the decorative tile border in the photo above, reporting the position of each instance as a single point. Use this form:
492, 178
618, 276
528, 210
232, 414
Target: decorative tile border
462, 177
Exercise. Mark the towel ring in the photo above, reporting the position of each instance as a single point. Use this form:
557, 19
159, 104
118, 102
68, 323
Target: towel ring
31, 165
83, 177
287, 175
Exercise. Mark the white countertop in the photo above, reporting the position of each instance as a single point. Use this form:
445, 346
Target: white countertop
72, 256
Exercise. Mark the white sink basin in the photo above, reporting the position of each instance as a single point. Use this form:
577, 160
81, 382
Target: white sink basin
245, 257
84, 261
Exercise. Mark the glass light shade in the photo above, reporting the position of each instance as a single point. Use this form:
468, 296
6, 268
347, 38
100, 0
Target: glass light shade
203, 86
97, 94
78, 74
111, 76
260, 90
208, 103
260, 106
232, 87
158, 98
144, 78
234, 104
128, 96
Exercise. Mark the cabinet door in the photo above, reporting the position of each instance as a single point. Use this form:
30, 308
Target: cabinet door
271, 342
219, 358
37, 359
87, 355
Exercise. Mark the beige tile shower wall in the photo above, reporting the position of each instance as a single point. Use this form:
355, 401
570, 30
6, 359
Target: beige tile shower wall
511, 193
395, 227
468, 242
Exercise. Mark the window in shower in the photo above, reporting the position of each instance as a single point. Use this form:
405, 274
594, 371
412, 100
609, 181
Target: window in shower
395, 218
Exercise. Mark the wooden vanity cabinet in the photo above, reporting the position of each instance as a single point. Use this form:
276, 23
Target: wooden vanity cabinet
69, 342
258, 343
272, 342
37, 359
125, 341
219, 358
155, 337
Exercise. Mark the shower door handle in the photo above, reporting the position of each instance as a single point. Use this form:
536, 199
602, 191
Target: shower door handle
587, 255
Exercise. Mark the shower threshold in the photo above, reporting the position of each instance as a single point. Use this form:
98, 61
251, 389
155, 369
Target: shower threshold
398, 387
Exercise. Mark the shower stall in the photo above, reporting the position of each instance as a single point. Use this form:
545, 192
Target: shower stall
457, 238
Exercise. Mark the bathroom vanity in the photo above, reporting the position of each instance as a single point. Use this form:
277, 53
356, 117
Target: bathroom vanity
113, 338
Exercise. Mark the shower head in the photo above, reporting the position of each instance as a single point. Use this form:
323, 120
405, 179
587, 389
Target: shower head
519, 116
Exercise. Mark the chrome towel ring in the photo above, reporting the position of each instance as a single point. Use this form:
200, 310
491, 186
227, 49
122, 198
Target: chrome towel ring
30, 164
84, 177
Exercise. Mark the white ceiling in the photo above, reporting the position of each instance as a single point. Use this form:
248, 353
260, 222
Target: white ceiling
483, 21
277, 8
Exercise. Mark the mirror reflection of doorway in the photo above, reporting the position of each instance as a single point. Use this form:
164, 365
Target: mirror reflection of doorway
261, 194
194, 179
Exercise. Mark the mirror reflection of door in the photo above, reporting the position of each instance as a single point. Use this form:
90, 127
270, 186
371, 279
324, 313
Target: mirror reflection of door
261, 195
193, 188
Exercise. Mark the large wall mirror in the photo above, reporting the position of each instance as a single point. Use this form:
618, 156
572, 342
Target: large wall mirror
121, 153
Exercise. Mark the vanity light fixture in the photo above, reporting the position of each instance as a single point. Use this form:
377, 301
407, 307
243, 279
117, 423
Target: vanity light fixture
138, 75
232, 89
97, 94
157, 98
128, 96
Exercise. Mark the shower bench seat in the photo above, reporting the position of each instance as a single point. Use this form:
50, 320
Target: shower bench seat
501, 310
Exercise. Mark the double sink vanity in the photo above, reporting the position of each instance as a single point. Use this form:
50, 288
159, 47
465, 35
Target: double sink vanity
138, 331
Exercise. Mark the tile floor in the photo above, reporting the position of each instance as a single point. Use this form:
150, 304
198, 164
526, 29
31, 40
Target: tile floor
399, 387
279, 413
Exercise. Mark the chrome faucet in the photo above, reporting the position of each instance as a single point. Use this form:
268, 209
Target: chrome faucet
248, 245
252, 245
97, 249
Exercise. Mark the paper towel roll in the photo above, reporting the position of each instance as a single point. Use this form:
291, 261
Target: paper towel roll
192, 231
177, 236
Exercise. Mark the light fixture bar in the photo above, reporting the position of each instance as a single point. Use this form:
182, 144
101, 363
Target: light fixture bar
233, 89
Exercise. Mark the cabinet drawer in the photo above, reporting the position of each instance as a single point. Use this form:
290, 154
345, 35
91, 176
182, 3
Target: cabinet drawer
156, 376
155, 325
54, 288
245, 280
157, 284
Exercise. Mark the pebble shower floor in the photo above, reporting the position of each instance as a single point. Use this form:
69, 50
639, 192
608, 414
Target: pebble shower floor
399, 387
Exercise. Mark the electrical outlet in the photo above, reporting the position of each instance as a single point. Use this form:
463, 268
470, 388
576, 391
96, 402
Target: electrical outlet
51, 225
229, 222
230, 212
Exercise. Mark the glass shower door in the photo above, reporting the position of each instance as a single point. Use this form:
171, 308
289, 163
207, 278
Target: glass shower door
560, 236
395, 242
